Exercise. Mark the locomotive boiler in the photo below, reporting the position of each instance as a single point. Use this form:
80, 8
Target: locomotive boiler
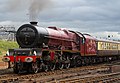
32, 36
57, 48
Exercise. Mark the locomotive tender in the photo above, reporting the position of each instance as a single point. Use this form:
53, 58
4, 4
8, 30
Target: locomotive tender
55, 48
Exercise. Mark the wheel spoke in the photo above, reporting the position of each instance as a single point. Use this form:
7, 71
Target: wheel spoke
60, 65
67, 65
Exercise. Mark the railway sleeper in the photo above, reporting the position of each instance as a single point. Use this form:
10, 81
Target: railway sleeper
111, 80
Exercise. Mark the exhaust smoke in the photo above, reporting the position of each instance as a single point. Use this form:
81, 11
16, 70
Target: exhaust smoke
34, 7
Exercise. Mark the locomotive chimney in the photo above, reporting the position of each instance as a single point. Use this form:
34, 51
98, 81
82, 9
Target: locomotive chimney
33, 23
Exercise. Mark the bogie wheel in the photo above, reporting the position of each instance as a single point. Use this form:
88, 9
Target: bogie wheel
35, 67
16, 68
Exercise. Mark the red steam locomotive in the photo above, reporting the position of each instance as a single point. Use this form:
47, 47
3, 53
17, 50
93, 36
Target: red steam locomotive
54, 48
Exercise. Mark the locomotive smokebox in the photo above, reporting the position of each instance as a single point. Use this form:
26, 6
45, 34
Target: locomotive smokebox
31, 35
33, 23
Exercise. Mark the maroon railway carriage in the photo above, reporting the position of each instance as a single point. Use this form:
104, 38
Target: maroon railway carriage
54, 48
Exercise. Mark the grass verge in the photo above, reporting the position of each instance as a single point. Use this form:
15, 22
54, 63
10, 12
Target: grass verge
5, 45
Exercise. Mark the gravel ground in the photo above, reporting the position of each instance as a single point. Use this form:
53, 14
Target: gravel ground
3, 65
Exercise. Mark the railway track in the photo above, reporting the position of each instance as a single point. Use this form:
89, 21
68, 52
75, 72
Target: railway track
72, 71
6, 71
106, 78
97, 73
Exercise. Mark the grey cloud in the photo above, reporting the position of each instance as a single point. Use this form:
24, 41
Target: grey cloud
84, 15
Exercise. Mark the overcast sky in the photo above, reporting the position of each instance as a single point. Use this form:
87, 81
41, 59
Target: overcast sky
97, 17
